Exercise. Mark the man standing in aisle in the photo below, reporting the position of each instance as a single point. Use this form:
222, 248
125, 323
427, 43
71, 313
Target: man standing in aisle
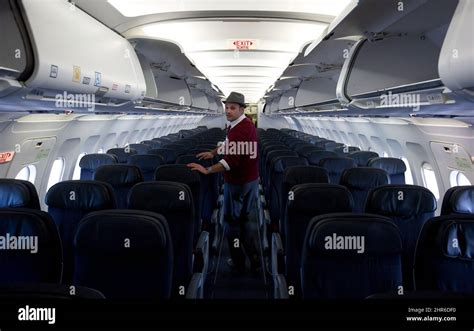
240, 166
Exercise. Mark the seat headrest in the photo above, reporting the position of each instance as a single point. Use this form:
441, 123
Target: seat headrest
304, 174
119, 174
279, 152
152, 143
283, 162
168, 154
320, 198
160, 197
16, 193
331, 145
402, 201
337, 164
391, 165
364, 178
346, 149
315, 157
81, 194
455, 237
122, 154
458, 200
93, 161
353, 235
140, 148
104, 231
308, 150
146, 162
362, 157
177, 173
191, 158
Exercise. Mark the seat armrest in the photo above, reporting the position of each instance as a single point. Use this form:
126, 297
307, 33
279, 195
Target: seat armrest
266, 216
278, 255
201, 254
215, 216
281, 289
196, 287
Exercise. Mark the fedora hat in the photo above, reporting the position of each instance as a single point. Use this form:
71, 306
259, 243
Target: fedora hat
236, 97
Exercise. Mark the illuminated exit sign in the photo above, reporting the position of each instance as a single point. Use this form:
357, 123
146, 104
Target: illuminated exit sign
241, 44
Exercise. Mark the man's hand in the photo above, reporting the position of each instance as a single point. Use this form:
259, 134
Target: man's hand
198, 167
205, 155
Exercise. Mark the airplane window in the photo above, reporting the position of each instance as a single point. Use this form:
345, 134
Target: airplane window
408, 174
77, 169
27, 173
57, 171
429, 179
457, 178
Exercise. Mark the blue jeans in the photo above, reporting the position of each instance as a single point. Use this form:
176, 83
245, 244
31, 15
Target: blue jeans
239, 201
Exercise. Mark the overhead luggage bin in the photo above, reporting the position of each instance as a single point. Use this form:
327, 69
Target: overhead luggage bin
456, 63
96, 61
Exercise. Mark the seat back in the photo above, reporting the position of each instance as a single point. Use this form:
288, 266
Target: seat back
394, 167
409, 207
169, 155
90, 162
458, 200
125, 254
268, 164
122, 154
444, 259
122, 178
31, 248
154, 144
173, 201
147, 163
350, 256
307, 150
296, 175
336, 166
140, 148
362, 157
316, 156
345, 150
360, 181
331, 146
16, 193
209, 188
68, 202
304, 202
278, 167
180, 173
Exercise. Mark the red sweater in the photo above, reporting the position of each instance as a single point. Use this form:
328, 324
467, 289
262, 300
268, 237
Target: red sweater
241, 153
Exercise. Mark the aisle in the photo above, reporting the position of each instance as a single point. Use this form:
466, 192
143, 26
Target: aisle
226, 284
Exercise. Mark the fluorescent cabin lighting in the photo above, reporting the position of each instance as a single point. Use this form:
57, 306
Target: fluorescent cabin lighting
211, 44
133, 8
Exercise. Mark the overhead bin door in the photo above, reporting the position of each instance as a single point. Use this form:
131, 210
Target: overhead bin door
16, 59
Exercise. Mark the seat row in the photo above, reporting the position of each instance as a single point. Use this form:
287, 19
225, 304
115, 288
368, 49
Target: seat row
149, 250
298, 192
396, 246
